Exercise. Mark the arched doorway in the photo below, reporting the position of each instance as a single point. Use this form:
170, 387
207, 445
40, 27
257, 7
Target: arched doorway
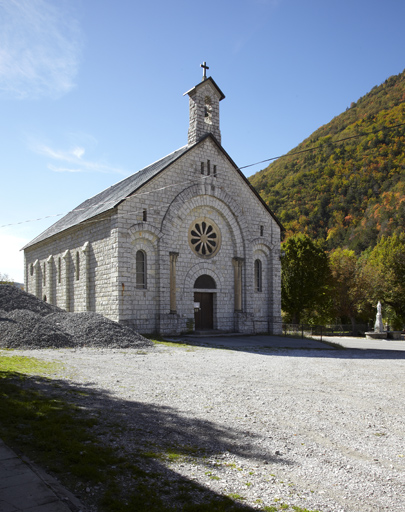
204, 313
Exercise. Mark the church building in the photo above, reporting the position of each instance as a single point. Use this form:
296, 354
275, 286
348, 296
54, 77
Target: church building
185, 244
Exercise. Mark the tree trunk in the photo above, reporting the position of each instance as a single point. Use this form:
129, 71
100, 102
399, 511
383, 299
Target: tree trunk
354, 326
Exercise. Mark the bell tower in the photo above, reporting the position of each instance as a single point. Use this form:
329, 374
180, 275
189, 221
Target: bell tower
204, 109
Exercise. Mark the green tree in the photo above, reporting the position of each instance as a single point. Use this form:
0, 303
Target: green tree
386, 273
350, 288
343, 263
305, 277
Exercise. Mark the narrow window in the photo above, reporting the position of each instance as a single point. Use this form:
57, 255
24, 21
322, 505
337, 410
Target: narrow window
215, 171
258, 276
208, 167
32, 269
44, 274
59, 270
77, 266
144, 215
208, 110
202, 167
140, 269
261, 230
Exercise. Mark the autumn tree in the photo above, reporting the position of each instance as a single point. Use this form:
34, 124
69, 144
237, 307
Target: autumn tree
386, 270
343, 264
350, 287
305, 276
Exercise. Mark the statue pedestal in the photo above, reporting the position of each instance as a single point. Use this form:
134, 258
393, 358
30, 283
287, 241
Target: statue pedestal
376, 335
385, 335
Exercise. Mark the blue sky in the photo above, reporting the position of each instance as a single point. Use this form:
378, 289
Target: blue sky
91, 91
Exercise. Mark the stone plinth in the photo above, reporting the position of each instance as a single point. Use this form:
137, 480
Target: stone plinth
384, 335
376, 335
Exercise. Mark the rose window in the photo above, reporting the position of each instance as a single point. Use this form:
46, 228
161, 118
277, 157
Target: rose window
204, 238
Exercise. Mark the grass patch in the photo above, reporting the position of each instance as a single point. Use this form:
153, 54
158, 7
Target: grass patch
299, 509
67, 441
171, 343
159, 340
172, 453
54, 433
235, 496
28, 365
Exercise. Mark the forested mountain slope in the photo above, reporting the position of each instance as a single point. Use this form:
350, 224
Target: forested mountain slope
346, 182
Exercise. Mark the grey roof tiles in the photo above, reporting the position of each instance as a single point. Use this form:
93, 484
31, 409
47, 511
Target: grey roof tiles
108, 198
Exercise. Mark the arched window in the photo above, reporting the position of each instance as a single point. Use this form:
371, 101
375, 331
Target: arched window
141, 269
77, 266
206, 282
258, 276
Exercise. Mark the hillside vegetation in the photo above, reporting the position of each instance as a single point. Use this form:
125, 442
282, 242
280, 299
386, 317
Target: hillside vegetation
345, 183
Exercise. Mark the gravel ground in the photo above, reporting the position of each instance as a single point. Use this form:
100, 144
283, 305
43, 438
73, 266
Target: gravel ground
322, 430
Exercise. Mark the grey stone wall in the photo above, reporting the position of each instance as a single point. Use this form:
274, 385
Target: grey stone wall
201, 123
76, 270
172, 201
92, 266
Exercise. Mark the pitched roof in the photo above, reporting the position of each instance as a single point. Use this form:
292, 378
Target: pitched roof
108, 198
111, 197
212, 81
256, 193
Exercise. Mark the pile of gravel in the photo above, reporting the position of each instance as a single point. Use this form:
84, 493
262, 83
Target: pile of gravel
12, 298
28, 322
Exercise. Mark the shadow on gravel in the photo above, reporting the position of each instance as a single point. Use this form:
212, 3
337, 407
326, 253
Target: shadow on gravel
117, 457
292, 348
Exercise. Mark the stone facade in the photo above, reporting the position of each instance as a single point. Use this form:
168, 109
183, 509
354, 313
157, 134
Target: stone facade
138, 262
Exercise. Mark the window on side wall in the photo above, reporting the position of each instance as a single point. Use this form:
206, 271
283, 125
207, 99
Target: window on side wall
258, 276
141, 269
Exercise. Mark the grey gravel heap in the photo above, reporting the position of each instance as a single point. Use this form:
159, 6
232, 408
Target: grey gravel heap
12, 298
28, 322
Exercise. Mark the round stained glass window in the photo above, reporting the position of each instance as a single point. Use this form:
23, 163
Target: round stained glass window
204, 238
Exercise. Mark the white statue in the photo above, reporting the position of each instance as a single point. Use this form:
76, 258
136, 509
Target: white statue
378, 326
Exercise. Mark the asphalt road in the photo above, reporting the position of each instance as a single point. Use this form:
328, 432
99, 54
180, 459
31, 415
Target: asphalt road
279, 342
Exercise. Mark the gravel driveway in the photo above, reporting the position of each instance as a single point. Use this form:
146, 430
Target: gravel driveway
318, 429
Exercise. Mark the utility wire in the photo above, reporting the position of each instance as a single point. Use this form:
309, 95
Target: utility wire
314, 148
106, 202
320, 145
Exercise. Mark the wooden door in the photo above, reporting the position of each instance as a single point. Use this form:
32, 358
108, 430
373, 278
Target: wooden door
204, 318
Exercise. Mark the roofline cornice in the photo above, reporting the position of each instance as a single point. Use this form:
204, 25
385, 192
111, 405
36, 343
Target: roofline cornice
209, 79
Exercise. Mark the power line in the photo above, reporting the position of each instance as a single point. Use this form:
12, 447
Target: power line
104, 203
319, 146
314, 148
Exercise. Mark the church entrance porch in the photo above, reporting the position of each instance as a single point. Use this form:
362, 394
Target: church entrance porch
204, 315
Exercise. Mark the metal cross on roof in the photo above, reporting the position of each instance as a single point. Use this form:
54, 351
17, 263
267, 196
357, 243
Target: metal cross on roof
205, 67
